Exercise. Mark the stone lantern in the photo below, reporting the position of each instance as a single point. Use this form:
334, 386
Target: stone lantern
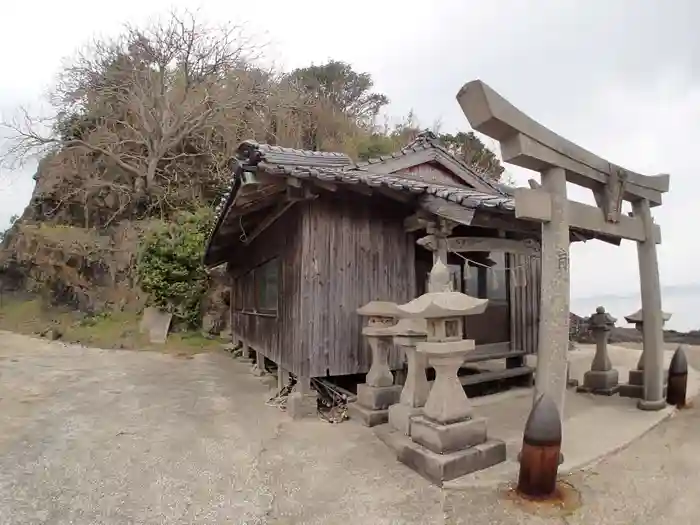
602, 378
635, 386
407, 334
637, 320
378, 393
446, 440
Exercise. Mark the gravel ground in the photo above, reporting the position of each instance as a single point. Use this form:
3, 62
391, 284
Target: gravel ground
92, 436
114, 437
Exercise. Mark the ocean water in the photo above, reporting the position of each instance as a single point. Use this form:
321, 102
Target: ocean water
682, 302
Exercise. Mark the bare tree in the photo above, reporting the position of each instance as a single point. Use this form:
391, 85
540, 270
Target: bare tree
146, 99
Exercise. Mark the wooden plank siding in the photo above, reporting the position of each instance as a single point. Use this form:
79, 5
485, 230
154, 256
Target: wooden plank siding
431, 173
279, 336
355, 251
525, 305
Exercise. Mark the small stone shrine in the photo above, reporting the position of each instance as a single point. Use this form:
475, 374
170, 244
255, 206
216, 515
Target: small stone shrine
447, 441
602, 378
635, 386
378, 393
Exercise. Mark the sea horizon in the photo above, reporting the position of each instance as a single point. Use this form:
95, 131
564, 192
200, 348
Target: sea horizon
681, 301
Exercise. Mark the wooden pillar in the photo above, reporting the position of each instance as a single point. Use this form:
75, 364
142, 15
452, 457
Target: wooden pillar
652, 325
552, 355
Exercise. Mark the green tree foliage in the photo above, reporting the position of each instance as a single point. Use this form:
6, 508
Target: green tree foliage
387, 140
169, 265
471, 149
347, 90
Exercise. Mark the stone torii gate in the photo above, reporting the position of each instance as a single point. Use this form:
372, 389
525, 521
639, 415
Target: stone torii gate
528, 144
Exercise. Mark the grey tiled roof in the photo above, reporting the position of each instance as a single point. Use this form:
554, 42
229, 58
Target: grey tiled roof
255, 152
338, 167
464, 196
426, 140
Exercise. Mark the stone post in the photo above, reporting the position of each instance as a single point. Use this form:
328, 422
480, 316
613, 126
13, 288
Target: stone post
259, 366
283, 378
378, 393
407, 334
303, 401
634, 387
447, 441
602, 378
245, 353
654, 398
552, 353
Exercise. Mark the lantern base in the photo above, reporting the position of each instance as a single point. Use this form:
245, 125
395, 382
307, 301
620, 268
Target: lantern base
445, 439
400, 417
378, 397
600, 382
367, 416
439, 468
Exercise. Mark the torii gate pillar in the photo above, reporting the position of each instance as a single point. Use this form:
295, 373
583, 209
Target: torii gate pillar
552, 353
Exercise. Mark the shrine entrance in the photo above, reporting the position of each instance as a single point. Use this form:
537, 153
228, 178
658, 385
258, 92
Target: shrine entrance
478, 274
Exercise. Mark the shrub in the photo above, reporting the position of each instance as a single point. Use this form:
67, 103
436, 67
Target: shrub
169, 265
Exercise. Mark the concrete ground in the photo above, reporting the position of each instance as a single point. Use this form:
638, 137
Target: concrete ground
93, 436
594, 426
115, 437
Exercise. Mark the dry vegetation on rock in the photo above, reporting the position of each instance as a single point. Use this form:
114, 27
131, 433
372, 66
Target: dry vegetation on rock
143, 127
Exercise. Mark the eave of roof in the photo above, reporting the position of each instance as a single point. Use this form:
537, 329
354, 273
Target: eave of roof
339, 168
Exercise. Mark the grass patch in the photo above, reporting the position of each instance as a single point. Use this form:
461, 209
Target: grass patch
118, 330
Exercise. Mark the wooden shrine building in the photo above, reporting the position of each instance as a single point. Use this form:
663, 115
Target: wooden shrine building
308, 237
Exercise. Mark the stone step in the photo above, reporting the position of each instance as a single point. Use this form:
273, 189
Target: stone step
485, 377
475, 357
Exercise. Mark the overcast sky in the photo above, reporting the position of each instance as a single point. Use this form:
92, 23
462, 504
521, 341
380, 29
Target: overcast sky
619, 77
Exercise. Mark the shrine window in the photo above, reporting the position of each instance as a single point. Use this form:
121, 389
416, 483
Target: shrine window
258, 289
266, 279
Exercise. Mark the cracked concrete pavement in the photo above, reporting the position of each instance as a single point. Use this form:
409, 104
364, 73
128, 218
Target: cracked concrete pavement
96, 436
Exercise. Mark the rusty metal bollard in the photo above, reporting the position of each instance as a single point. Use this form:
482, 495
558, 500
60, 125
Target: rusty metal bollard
677, 378
539, 458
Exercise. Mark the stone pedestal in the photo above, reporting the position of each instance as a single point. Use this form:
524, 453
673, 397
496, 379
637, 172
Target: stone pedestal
602, 378
245, 354
447, 441
400, 417
634, 388
378, 393
408, 333
303, 401
258, 368
301, 405
283, 378
373, 402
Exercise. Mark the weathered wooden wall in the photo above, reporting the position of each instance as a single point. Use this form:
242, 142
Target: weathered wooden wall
355, 251
525, 305
431, 173
278, 337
